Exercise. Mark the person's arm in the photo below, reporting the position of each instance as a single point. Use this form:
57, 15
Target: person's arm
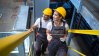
48, 30
35, 25
32, 28
66, 33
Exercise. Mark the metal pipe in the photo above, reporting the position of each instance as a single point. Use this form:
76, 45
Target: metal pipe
72, 21
10, 42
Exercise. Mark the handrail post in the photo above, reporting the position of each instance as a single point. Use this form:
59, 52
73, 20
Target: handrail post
21, 49
72, 21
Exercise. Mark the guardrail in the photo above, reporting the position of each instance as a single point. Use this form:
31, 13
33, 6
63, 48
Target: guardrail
10, 42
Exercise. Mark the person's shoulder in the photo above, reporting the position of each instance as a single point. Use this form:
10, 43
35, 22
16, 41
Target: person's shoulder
65, 22
50, 23
66, 26
38, 19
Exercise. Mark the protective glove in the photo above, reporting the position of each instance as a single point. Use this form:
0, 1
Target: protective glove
62, 39
49, 37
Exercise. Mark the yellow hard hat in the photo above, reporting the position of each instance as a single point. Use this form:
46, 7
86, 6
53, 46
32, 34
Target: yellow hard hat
62, 11
48, 11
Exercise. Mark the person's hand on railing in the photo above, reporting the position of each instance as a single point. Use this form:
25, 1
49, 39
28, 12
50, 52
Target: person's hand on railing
30, 30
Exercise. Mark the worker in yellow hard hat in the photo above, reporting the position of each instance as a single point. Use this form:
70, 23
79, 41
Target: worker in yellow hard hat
57, 33
41, 38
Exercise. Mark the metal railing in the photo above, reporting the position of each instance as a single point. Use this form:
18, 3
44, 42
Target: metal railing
8, 43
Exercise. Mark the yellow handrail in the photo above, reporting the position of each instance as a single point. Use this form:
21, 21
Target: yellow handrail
78, 52
7, 44
89, 32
